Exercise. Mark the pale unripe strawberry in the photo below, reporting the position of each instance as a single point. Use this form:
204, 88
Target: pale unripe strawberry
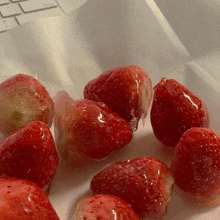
23, 99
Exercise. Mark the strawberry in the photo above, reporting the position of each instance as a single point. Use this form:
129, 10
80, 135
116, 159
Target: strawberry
175, 109
87, 129
29, 153
23, 200
23, 99
126, 90
145, 183
196, 166
104, 207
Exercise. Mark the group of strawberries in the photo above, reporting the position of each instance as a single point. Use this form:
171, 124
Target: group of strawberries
93, 128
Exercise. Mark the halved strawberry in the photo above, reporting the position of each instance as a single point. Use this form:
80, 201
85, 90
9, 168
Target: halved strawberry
175, 109
23, 200
145, 183
23, 99
87, 129
196, 166
30, 153
104, 207
125, 90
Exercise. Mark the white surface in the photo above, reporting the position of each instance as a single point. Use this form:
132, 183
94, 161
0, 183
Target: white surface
196, 23
18, 0
68, 51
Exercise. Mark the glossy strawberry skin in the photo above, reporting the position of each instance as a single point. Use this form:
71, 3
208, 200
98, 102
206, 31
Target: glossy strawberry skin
23, 200
126, 90
30, 153
196, 166
144, 183
23, 99
104, 207
175, 109
87, 129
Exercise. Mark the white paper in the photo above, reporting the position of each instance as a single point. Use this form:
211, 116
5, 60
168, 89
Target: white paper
166, 38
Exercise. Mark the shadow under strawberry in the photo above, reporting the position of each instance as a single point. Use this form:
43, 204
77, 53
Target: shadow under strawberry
74, 204
142, 145
184, 206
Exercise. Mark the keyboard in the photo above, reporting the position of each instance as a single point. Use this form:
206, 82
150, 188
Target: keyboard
17, 12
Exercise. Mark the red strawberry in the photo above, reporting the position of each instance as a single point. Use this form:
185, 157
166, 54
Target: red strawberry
87, 129
175, 109
144, 183
23, 200
23, 99
196, 166
125, 90
104, 207
29, 153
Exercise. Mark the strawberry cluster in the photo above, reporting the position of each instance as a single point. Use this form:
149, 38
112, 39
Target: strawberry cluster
91, 129
28, 156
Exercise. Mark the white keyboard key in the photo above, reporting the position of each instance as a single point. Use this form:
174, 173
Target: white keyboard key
18, 0
10, 10
34, 5
7, 24
3, 2
40, 14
